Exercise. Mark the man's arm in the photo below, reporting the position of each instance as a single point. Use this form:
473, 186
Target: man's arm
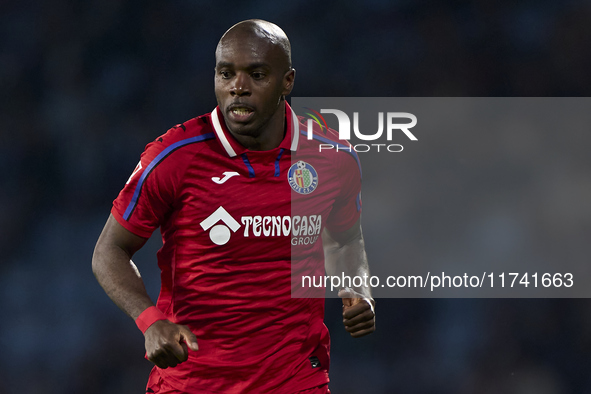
344, 253
166, 342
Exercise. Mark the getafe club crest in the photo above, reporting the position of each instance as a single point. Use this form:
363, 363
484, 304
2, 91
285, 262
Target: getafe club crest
302, 177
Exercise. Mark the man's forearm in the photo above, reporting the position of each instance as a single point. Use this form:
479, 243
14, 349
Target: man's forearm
166, 343
120, 279
344, 254
347, 258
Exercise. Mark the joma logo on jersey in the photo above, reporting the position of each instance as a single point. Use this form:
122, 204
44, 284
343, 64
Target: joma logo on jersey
302, 229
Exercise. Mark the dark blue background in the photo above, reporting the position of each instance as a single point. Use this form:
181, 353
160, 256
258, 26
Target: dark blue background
86, 84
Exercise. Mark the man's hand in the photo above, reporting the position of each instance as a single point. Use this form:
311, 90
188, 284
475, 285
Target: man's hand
359, 317
166, 343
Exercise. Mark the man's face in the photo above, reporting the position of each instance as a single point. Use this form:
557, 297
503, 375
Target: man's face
251, 76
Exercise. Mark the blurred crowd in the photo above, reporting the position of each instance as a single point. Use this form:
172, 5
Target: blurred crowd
85, 85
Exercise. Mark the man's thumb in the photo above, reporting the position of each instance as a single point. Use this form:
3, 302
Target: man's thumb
348, 295
190, 339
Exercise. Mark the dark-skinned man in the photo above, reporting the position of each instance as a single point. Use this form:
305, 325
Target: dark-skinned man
244, 203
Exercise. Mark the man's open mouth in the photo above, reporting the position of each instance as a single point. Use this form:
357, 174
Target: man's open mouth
241, 111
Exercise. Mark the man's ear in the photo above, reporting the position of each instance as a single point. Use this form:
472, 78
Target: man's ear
288, 80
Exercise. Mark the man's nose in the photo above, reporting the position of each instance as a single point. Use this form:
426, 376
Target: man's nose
241, 86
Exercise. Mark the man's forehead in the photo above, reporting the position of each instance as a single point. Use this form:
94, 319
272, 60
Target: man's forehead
247, 42
247, 50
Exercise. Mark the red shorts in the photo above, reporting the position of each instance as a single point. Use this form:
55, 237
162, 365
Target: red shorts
157, 385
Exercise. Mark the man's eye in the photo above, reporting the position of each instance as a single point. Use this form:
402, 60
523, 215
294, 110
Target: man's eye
258, 75
225, 74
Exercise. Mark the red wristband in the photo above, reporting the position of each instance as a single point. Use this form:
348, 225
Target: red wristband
149, 317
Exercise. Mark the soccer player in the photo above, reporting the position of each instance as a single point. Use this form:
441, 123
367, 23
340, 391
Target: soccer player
241, 198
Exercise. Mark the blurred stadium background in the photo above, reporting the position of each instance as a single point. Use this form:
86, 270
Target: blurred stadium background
86, 84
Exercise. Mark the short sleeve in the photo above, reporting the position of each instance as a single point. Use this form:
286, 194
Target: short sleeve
347, 206
148, 196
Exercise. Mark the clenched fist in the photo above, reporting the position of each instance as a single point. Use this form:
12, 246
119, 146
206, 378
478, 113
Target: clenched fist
167, 343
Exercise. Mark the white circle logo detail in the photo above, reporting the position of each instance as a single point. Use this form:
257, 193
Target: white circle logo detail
219, 234
302, 177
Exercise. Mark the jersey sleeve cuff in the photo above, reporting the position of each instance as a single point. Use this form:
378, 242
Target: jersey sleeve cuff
140, 232
344, 226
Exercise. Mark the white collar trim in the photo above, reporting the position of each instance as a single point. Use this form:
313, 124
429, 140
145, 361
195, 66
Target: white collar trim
220, 133
295, 132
